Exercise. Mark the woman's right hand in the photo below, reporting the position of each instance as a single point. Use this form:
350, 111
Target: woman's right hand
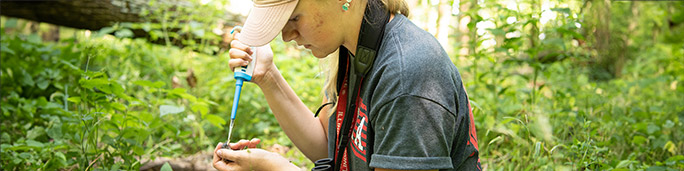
248, 159
241, 55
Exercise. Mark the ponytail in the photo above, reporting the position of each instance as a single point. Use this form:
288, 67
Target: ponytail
396, 6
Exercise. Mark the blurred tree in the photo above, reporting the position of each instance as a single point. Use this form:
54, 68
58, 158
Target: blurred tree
443, 22
82, 14
96, 15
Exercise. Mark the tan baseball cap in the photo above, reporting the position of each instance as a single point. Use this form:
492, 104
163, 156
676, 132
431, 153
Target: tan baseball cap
266, 20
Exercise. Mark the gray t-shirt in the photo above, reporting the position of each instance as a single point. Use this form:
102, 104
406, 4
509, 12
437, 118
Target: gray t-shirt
414, 111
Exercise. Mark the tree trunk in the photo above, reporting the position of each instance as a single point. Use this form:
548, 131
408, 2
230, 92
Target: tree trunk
624, 52
81, 14
443, 23
602, 36
463, 30
97, 14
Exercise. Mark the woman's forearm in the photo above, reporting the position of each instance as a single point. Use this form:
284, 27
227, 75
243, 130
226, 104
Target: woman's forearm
298, 122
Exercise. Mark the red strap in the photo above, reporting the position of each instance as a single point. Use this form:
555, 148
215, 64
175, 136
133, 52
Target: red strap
341, 105
341, 108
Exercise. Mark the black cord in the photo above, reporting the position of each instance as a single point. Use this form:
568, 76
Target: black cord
319, 108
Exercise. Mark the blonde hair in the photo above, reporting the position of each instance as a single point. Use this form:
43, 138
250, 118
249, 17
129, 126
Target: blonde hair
396, 6
330, 86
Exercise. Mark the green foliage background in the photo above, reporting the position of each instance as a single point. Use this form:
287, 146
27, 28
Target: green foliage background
567, 101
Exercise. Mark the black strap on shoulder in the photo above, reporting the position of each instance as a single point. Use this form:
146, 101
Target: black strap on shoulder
370, 39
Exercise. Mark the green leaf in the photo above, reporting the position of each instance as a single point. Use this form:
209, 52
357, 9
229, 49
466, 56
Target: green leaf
106, 30
166, 167
71, 66
669, 124
143, 83
652, 128
624, 164
43, 83
117, 89
497, 32
146, 83
97, 82
202, 108
674, 159
497, 139
27, 79
74, 99
561, 10
55, 131
138, 150
656, 168
198, 32
155, 34
116, 166
25, 155
638, 140
216, 120
158, 84
33, 143
124, 33
118, 106
670, 147
170, 109
35, 132
181, 92
60, 156
10, 22
146, 26
5, 48
34, 38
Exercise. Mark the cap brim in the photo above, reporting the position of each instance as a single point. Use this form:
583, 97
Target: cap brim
264, 23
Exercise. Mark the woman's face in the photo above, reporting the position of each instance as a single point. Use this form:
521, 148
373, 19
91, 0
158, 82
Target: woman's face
316, 25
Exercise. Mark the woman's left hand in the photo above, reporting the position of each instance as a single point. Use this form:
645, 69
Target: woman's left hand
249, 159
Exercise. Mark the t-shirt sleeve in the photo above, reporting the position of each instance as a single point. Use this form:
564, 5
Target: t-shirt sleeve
412, 132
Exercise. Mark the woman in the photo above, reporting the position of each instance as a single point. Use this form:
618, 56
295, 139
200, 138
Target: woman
411, 111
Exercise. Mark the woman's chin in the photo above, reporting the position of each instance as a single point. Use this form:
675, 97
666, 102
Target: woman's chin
319, 54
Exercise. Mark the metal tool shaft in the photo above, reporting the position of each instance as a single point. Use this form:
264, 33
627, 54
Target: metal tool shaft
230, 130
236, 100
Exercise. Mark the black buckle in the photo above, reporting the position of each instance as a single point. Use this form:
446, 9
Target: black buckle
364, 60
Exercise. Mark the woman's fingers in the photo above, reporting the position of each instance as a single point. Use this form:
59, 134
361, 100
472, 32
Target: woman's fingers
236, 28
239, 54
236, 63
216, 158
236, 44
239, 145
254, 159
231, 155
253, 143
245, 143
218, 162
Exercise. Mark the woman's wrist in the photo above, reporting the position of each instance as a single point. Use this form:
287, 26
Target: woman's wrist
281, 163
270, 79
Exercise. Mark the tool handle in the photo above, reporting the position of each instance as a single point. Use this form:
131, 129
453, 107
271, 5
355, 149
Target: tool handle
245, 72
236, 99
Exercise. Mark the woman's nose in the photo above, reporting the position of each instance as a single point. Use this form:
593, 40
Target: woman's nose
289, 33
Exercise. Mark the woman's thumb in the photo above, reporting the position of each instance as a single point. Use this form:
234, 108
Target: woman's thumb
231, 155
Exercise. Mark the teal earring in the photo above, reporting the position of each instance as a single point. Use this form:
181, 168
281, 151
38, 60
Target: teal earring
345, 7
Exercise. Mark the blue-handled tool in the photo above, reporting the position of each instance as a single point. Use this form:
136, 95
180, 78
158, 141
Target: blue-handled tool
242, 74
